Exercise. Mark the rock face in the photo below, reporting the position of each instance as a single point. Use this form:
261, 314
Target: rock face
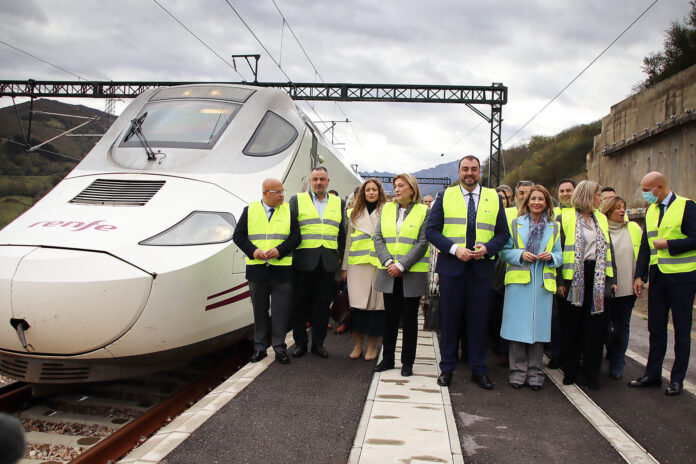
654, 130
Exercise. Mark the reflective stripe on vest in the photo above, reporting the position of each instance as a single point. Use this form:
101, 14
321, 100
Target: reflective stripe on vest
362, 248
568, 223
317, 232
455, 209
399, 245
636, 235
522, 274
266, 235
669, 229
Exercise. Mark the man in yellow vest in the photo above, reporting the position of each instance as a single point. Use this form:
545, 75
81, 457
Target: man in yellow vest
566, 187
468, 226
668, 252
267, 233
322, 225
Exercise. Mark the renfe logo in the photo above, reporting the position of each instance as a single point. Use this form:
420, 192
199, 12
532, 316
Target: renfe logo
76, 225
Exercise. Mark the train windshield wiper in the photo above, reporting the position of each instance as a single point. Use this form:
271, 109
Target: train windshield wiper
136, 128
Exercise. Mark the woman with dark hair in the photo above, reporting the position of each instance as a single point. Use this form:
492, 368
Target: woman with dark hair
403, 255
587, 278
625, 238
532, 254
360, 269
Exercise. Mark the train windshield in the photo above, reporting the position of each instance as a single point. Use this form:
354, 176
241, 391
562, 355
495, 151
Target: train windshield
184, 123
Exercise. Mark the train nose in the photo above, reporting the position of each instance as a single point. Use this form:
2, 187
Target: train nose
72, 301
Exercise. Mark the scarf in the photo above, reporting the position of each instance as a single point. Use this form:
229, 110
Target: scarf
536, 231
576, 295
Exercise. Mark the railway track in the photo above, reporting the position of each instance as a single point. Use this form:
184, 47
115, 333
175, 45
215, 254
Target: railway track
101, 422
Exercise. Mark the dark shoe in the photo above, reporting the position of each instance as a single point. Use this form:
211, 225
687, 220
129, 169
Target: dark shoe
282, 357
614, 376
568, 380
383, 366
645, 381
406, 370
482, 381
555, 363
445, 379
536, 388
516, 386
300, 350
674, 389
320, 351
258, 356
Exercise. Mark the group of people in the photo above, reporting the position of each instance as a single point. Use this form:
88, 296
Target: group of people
570, 272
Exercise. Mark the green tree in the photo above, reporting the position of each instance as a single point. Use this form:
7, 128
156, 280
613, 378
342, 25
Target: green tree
679, 52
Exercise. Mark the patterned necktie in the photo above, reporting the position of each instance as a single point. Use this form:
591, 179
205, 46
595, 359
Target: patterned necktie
270, 213
470, 223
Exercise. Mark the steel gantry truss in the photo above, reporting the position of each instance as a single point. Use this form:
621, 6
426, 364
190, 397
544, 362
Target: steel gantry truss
494, 96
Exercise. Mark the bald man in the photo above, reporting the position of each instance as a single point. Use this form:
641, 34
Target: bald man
267, 232
668, 257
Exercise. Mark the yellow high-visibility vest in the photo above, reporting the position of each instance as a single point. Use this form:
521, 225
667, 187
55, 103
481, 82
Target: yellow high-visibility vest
511, 214
362, 248
568, 222
317, 232
636, 234
266, 235
400, 244
522, 274
455, 215
669, 229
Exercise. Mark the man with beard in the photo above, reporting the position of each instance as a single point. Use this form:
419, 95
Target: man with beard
468, 226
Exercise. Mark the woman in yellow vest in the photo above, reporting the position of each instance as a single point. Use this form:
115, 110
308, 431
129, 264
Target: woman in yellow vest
587, 278
403, 255
532, 254
625, 238
360, 269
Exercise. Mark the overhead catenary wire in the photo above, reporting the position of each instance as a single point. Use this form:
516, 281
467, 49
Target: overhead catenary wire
42, 60
43, 149
199, 39
579, 74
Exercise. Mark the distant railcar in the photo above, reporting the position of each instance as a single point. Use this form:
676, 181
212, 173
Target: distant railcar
128, 264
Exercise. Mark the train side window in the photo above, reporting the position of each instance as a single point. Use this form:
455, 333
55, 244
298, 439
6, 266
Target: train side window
273, 135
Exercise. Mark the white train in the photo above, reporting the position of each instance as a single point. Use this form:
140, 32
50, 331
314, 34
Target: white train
128, 263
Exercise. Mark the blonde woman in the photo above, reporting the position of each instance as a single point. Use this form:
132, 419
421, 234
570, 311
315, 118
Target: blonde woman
403, 255
625, 237
532, 254
360, 269
587, 278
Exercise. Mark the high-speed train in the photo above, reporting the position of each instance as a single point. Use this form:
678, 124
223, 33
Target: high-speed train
128, 263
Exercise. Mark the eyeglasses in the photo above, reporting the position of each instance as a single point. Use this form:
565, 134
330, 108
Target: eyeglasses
276, 191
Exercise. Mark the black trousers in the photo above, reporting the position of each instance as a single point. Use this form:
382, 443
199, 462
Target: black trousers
662, 297
582, 333
276, 296
313, 291
399, 307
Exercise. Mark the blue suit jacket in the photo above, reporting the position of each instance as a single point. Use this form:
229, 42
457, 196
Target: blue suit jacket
448, 264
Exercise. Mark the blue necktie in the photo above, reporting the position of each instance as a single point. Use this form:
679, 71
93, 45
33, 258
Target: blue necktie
470, 223
662, 213
270, 213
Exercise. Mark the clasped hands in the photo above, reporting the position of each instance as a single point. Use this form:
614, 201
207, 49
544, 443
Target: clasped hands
266, 255
465, 254
530, 257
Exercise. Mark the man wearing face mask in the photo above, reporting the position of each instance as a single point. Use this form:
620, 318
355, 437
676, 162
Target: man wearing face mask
668, 253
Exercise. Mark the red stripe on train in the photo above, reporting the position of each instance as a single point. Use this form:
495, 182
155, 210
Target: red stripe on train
228, 291
241, 296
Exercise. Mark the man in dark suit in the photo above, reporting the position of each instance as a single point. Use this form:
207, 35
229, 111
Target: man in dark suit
267, 232
668, 257
315, 261
467, 224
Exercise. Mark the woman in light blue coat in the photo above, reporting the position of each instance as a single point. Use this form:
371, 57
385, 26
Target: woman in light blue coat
532, 255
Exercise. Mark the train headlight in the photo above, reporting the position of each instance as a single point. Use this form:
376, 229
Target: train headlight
198, 228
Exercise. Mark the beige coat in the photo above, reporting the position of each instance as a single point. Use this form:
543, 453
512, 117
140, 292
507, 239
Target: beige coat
361, 277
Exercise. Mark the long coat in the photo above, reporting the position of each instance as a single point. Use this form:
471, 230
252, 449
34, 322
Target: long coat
414, 283
527, 307
362, 293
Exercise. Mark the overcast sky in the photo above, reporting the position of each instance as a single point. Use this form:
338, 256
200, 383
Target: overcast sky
533, 47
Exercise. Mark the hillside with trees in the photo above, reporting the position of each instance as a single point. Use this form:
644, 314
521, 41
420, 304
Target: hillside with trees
25, 177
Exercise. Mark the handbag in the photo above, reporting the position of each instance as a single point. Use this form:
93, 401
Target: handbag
432, 317
340, 308
611, 336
